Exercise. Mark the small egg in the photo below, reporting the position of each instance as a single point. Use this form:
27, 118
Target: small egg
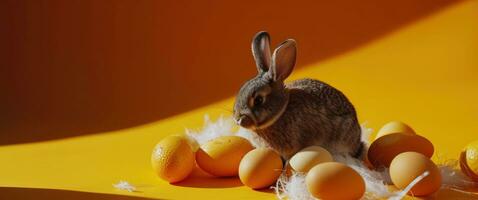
395, 127
469, 160
221, 156
260, 168
384, 149
408, 166
308, 157
172, 159
333, 180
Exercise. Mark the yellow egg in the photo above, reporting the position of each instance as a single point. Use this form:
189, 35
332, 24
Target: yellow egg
469, 160
408, 166
384, 149
395, 127
333, 180
260, 168
172, 159
308, 157
221, 156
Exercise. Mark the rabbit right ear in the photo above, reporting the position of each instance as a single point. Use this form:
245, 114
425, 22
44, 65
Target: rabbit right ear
261, 51
283, 60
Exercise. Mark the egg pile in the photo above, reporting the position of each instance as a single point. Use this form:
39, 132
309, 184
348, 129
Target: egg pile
407, 156
397, 148
395, 138
225, 156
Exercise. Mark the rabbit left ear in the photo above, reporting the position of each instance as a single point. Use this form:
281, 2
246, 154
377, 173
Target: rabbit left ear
261, 51
283, 60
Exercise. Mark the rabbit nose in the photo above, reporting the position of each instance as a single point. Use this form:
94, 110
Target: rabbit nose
245, 121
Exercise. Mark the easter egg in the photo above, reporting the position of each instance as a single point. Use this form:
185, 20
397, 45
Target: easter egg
260, 168
395, 127
308, 157
408, 166
382, 151
172, 159
221, 156
469, 160
333, 180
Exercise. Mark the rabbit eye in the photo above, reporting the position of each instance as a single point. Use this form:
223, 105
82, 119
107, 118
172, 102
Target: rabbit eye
259, 100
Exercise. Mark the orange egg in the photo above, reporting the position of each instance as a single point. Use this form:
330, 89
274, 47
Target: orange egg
384, 149
395, 127
173, 159
469, 160
221, 156
408, 166
308, 157
333, 180
260, 168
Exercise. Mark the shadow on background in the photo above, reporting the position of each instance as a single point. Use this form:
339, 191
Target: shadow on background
13, 193
78, 67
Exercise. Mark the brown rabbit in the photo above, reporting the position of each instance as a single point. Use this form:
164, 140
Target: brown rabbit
292, 116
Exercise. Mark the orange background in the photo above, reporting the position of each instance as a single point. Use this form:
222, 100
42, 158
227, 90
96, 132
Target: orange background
86, 66
70, 68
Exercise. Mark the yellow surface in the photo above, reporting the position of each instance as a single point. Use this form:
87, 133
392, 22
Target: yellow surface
425, 74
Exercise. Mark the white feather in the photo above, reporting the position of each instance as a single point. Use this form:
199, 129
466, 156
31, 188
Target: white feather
125, 185
223, 126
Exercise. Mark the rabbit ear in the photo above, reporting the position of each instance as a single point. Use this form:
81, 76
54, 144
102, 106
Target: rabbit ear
261, 51
283, 60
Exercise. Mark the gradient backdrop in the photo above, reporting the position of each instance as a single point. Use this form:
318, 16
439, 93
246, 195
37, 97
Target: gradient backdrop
78, 67
88, 87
